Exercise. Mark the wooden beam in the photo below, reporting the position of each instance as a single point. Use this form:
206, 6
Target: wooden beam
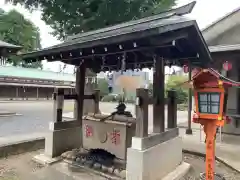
108, 53
80, 84
58, 97
158, 96
160, 40
142, 113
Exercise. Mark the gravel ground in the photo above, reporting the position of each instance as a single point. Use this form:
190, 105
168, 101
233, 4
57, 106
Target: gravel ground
15, 167
198, 166
18, 166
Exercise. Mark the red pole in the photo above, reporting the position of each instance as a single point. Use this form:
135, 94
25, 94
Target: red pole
210, 130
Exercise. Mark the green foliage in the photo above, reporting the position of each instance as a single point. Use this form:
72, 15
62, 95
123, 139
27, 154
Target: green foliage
70, 17
103, 87
17, 30
174, 82
111, 98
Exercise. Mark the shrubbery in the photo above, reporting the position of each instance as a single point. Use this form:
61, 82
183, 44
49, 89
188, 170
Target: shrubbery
174, 82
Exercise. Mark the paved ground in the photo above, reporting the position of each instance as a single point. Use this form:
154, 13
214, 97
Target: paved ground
197, 167
36, 115
17, 167
227, 150
21, 167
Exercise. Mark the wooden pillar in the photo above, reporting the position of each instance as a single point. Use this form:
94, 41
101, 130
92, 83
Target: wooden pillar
24, 92
189, 128
142, 113
58, 97
96, 101
237, 71
158, 96
80, 84
172, 109
17, 92
37, 94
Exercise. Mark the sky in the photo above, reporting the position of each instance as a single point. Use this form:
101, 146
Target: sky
205, 12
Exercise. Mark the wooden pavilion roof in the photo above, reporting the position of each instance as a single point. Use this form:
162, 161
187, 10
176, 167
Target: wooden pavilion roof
168, 35
7, 48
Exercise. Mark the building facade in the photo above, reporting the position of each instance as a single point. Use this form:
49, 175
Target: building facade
223, 39
18, 83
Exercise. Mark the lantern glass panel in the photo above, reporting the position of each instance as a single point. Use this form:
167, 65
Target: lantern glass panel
209, 103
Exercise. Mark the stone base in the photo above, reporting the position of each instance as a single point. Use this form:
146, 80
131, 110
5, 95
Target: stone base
154, 162
45, 160
179, 172
61, 140
189, 131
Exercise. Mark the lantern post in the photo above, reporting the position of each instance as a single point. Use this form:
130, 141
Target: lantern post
210, 111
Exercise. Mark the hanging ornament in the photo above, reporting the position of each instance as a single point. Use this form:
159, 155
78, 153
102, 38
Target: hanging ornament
174, 72
227, 66
195, 71
103, 63
185, 68
93, 80
123, 63
154, 63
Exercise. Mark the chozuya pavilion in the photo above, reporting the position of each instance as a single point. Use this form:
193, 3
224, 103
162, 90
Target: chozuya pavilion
149, 150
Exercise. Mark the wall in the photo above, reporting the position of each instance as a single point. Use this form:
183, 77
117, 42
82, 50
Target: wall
227, 32
229, 37
233, 92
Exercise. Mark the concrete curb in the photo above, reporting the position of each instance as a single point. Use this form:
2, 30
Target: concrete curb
9, 114
221, 160
179, 172
21, 147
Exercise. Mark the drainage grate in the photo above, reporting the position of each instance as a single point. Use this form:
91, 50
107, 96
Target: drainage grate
98, 160
216, 176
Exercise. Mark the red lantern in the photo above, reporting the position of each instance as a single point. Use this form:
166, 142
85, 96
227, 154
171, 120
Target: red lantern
185, 69
195, 71
227, 66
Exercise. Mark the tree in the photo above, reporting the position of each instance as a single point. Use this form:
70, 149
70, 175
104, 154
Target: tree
70, 17
103, 87
174, 82
15, 29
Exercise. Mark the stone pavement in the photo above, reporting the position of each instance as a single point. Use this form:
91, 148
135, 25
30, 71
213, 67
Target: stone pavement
227, 150
14, 139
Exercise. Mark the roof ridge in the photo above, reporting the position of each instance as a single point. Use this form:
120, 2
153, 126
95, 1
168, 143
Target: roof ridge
185, 9
33, 69
222, 18
225, 45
